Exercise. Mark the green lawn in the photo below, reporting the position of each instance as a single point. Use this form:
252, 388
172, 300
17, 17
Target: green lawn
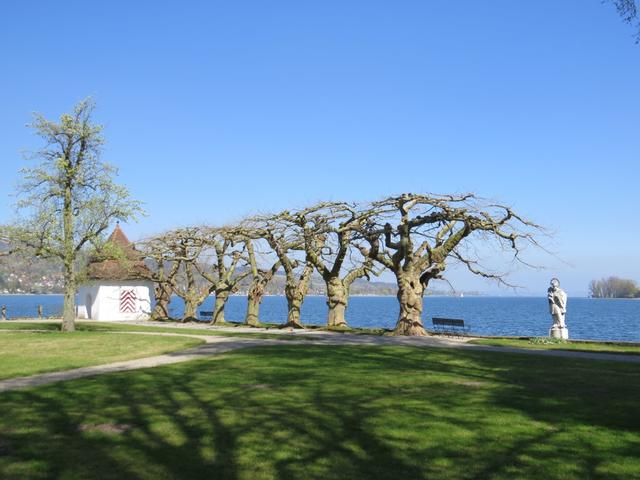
573, 346
319, 412
24, 354
123, 327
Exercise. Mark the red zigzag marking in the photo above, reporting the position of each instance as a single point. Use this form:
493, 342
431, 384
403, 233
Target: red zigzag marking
128, 301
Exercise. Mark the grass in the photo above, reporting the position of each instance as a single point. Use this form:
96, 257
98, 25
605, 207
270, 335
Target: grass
320, 412
23, 354
567, 345
346, 329
94, 326
120, 327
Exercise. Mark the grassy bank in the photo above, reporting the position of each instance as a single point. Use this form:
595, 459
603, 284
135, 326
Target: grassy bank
538, 344
331, 413
23, 354
176, 327
122, 327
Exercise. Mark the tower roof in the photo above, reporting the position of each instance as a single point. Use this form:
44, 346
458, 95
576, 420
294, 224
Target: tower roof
119, 261
118, 237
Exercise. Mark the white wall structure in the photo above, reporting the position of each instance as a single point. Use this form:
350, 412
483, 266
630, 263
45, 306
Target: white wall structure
118, 286
115, 300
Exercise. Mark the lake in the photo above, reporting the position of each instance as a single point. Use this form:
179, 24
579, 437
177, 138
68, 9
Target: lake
587, 318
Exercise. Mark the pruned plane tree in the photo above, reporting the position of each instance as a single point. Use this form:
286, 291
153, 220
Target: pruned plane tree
184, 247
195, 262
288, 246
328, 230
260, 278
163, 265
227, 251
416, 236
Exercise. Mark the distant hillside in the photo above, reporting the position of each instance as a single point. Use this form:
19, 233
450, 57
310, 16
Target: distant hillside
317, 287
29, 275
360, 287
32, 275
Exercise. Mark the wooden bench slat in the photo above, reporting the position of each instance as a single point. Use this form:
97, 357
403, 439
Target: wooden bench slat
451, 325
448, 321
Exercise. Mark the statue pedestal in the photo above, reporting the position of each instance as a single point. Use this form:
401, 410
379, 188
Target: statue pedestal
559, 332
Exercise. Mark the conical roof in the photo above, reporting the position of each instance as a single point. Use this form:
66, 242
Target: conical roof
122, 262
118, 237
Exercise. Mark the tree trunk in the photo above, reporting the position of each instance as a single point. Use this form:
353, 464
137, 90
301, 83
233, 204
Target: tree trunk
69, 307
218, 310
294, 304
410, 292
295, 290
253, 312
337, 299
293, 314
163, 298
190, 311
254, 299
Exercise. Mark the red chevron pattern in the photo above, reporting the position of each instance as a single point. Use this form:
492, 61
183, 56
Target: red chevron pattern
127, 301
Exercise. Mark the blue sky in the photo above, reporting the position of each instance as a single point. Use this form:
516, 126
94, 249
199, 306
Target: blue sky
214, 110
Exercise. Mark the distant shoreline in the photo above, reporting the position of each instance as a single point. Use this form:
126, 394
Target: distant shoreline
356, 295
28, 294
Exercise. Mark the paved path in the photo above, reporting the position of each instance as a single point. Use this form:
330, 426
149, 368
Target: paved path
219, 344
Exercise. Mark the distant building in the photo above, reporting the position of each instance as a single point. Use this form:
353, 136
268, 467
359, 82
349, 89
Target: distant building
118, 285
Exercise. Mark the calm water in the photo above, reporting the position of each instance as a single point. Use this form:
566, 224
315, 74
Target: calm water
587, 318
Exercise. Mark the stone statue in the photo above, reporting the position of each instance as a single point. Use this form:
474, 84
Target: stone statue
558, 309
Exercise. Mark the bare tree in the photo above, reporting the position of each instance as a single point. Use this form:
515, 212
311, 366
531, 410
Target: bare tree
222, 273
289, 248
164, 267
193, 263
260, 278
628, 11
415, 236
184, 248
328, 230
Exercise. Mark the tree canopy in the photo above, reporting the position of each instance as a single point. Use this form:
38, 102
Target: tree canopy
613, 287
415, 236
69, 199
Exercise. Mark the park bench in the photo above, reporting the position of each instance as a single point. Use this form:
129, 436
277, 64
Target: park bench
450, 326
206, 315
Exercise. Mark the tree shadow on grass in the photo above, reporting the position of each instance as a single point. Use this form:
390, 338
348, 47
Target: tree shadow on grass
327, 412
